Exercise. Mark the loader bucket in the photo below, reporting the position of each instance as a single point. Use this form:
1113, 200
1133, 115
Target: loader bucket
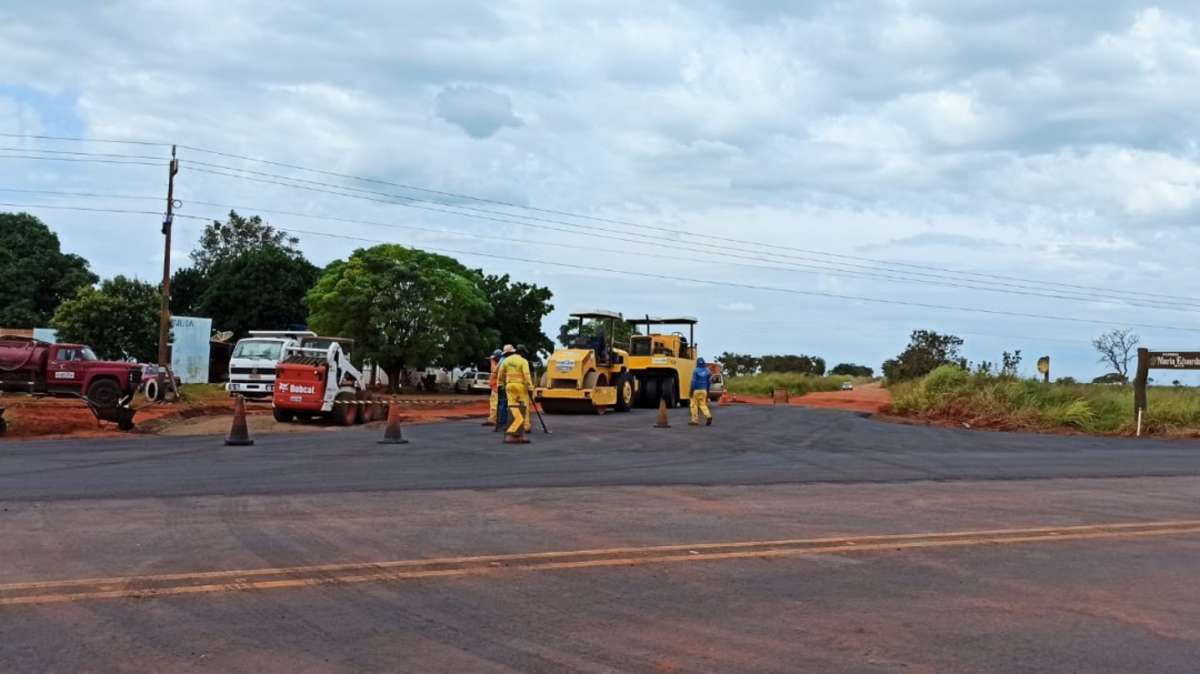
122, 416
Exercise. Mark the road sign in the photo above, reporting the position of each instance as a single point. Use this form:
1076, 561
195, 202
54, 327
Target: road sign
1158, 360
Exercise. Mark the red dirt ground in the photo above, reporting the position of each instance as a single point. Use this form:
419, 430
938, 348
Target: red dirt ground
53, 417
870, 398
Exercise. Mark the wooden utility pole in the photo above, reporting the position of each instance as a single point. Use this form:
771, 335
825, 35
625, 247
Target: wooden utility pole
164, 309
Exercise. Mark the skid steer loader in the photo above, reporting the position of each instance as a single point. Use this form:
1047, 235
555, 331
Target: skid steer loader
589, 375
316, 378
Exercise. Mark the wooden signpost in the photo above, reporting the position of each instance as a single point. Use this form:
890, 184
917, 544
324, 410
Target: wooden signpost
1158, 360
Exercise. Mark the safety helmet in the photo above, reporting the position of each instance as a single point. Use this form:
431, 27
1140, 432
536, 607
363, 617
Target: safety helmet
497, 353
508, 349
699, 362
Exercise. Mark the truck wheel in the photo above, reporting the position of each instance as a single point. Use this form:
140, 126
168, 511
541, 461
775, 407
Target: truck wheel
624, 392
283, 416
151, 390
104, 393
669, 393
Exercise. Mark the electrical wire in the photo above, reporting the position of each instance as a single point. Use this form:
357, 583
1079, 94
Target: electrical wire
671, 277
638, 226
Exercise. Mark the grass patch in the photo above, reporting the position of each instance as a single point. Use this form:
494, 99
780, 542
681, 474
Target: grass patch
951, 394
796, 384
204, 393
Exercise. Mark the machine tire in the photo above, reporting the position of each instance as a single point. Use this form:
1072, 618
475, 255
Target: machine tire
669, 392
304, 416
366, 412
652, 391
104, 393
283, 416
625, 392
343, 414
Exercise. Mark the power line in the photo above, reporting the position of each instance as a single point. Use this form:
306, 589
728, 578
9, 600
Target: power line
797, 269
83, 140
78, 160
710, 249
672, 277
110, 155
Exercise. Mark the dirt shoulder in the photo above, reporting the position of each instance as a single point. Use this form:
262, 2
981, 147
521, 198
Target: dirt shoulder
870, 398
30, 417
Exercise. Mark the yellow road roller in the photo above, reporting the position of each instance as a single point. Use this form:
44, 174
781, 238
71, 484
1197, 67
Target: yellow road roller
662, 362
590, 374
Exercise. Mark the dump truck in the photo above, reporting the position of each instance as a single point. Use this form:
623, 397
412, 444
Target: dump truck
315, 378
589, 374
662, 362
71, 371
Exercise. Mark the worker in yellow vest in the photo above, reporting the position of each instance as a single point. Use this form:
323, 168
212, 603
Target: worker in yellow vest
494, 384
515, 378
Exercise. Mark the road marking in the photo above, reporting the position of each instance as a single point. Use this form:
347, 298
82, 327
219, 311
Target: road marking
48, 592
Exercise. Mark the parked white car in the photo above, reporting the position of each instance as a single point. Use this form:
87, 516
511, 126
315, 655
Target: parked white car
473, 382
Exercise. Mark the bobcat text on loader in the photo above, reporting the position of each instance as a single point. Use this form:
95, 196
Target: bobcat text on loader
589, 375
662, 363
317, 379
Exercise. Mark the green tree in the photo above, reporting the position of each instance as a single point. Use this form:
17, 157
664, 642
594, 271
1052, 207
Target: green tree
926, 350
404, 308
569, 331
738, 364
35, 275
226, 240
259, 288
517, 313
852, 370
187, 285
119, 320
802, 364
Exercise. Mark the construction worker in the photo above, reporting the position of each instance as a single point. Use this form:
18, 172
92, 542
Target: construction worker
515, 378
701, 383
494, 384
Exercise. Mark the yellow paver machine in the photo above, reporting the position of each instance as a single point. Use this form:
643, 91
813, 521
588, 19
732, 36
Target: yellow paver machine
588, 375
662, 362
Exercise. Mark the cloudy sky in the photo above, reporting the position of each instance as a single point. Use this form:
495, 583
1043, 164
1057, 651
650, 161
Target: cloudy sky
939, 155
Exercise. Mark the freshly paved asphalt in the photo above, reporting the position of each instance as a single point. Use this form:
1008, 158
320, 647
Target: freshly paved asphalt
747, 445
139, 506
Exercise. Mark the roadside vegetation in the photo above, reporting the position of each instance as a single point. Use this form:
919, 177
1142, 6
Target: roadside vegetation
796, 383
950, 393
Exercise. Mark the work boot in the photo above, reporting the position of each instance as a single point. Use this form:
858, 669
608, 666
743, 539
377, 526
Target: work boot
693, 423
708, 422
488, 423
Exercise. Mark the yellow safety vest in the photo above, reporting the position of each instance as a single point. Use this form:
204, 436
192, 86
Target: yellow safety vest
514, 370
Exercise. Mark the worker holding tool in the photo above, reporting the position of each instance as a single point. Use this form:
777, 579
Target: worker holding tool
494, 397
515, 378
701, 383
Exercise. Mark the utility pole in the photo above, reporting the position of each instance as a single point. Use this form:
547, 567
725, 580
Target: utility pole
164, 310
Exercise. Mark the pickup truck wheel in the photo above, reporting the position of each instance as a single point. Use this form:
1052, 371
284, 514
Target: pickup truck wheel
104, 393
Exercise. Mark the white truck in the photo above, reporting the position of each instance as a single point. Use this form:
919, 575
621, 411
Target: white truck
255, 359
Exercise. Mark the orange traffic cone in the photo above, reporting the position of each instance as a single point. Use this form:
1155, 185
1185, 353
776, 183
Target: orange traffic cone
661, 422
239, 434
392, 434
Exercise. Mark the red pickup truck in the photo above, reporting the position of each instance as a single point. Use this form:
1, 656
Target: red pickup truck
69, 370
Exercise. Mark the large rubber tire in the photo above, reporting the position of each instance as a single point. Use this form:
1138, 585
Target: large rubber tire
151, 389
343, 414
669, 393
104, 393
283, 416
625, 394
652, 391
366, 413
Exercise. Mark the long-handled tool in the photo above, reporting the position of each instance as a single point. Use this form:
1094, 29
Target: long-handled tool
534, 405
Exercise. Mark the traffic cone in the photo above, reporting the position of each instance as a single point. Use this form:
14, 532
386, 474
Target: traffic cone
392, 434
239, 434
661, 422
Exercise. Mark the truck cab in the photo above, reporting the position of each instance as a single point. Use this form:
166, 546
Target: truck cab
40, 368
254, 361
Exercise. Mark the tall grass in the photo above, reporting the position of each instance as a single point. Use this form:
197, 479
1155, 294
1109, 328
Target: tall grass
795, 383
949, 393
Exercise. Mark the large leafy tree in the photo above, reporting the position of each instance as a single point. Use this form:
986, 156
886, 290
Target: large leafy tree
119, 320
791, 363
926, 351
738, 364
404, 308
852, 370
258, 288
35, 275
226, 240
517, 312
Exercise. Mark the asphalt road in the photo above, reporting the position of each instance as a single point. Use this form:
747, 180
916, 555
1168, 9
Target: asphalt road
748, 445
778, 540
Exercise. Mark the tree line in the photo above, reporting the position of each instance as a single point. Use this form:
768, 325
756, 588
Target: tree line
740, 364
405, 308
